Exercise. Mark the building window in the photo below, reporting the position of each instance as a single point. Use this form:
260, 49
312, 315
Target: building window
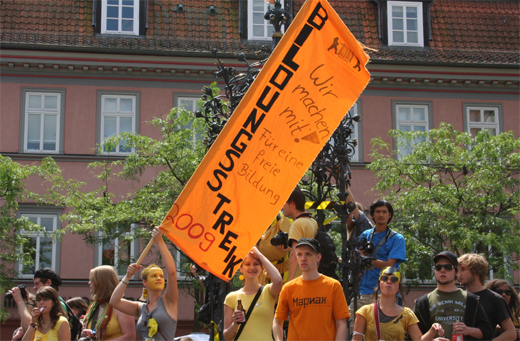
42, 121
190, 104
405, 23
411, 117
118, 252
120, 17
118, 114
479, 117
356, 134
40, 247
258, 28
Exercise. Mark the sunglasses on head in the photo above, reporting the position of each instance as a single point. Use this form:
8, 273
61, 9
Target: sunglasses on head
507, 292
393, 279
448, 267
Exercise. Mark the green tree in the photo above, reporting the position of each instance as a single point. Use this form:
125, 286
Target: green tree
168, 162
13, 191
452, 191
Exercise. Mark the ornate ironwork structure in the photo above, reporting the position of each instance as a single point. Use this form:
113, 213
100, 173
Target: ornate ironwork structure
277, 17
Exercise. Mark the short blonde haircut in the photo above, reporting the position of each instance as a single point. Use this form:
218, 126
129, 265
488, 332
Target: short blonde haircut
477, 264
105, 280
146, 270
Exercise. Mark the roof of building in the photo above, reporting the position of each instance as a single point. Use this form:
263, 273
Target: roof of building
462, 31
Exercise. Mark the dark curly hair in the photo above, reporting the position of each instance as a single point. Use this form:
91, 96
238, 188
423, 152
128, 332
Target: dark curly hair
514, 303
56, 311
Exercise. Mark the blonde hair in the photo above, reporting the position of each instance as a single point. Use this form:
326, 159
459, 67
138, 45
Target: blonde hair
146, 270
476, 263
104, 279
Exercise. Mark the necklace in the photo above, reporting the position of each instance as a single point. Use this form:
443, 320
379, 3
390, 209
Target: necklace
44, 330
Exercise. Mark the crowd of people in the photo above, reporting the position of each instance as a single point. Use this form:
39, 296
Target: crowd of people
285, 297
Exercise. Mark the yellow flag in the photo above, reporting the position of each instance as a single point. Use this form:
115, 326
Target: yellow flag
311, 80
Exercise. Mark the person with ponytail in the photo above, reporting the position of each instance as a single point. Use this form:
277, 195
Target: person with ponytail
48, 320
158, 314
102, 320
258, 325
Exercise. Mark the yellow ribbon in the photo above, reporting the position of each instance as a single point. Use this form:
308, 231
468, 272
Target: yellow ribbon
152, 327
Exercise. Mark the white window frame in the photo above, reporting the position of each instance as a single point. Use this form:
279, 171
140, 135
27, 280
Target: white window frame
118, 115
420, 23
356, 134
121, 4
39, 236
412, 123
268, 27
43, 112
193, 107
482, 125
134, 247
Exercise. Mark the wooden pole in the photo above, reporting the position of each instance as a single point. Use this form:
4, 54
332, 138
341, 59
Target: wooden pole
145, 251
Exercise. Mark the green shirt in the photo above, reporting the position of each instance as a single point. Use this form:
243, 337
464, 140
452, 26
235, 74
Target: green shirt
447, 308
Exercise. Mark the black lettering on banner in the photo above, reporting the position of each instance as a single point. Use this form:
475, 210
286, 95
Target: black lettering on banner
243, 146
224, 219
273, 99
253, 122
316, 14
227, 240
217, 173
229, 153
289, 57
287, 77
303, 35
231, 263
223, 200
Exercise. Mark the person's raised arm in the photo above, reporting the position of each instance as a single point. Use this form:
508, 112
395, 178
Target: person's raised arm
272, 271
117, 301
293, 262
21, 304
171, 296
350, 198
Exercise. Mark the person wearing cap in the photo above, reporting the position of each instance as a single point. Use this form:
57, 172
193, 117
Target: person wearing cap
457, 311
472, 273
392, 320
303, 226
316, 304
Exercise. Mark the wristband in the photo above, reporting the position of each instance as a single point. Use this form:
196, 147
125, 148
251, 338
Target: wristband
358, 333
34, 325
123, 281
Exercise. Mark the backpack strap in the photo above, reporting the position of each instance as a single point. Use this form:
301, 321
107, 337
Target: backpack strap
249, 311
389, 234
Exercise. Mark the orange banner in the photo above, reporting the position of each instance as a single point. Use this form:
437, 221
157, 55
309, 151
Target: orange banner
311, 80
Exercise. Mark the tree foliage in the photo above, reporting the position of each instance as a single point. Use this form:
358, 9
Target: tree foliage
452, 192
167, 163
13, 229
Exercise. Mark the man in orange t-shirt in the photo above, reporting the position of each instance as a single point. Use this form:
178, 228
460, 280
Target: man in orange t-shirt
316, 303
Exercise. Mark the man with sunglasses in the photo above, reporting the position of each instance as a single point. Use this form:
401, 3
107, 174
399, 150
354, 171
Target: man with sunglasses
472, 273
458, 311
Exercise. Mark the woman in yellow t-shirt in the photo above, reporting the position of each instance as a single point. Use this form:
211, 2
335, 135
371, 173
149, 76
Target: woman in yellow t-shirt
259, 324
102, 321
48, 321
394, 320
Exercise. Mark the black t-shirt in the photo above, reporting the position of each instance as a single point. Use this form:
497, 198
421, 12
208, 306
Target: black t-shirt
494, 306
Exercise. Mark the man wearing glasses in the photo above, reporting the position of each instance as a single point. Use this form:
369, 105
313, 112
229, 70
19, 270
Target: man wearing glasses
472, 273
458, 311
